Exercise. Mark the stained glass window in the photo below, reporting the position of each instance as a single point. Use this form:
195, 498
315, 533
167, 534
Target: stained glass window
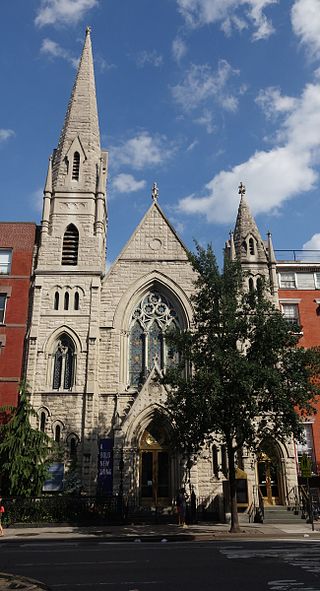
149, 322
63, 370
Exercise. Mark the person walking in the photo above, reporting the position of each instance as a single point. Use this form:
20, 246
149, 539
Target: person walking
1, 515
182, 507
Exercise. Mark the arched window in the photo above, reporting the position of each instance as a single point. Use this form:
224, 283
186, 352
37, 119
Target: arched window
56, 300
64, 364
150, 320
70, 246
251, 246
244, 247
251, 285
43, 419
76, 166
57, 434
66, 300
76, 300
73, 444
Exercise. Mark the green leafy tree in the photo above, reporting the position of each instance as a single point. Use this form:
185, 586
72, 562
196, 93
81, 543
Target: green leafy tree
242, 376
25, 453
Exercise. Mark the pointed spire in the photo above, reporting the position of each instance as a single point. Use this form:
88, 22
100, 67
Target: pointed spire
246, 227
271, 253
80, 131
48, 185
232, 247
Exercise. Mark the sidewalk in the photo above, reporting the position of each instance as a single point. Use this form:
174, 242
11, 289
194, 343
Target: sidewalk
168, 532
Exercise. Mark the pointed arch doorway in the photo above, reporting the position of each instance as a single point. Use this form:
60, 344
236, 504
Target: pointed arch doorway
269, 472
155, 466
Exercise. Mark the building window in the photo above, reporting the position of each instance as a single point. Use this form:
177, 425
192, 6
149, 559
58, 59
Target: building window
76, 166
56, 300
43, 420
291, 313
64, 364
66, 301
251, 285
76, 300
306, 448
287, 280
70, 246
215, 462
73, 444
3, 300
147, 346
305, 280
57, 434
244, 247
5, 261
251, 246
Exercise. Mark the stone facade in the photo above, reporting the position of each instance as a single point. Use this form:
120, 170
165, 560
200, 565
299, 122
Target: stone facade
92, 377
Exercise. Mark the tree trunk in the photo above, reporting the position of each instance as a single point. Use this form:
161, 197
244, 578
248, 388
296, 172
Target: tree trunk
234, 528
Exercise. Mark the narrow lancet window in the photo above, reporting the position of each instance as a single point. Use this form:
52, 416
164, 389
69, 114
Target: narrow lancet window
76, 300
66, 301
56, 300
70, 246
76, 166
251, 246
64, 363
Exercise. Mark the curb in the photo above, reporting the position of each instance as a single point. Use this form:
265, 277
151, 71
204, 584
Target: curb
8, 581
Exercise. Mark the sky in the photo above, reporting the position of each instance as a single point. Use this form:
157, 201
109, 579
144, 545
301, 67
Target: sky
196, 95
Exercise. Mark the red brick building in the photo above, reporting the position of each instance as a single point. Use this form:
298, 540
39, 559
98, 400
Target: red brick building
17, 246
299, 298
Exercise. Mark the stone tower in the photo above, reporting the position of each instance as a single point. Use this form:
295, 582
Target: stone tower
63, 336
256, 255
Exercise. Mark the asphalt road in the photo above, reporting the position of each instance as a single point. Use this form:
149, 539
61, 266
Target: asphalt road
222, 566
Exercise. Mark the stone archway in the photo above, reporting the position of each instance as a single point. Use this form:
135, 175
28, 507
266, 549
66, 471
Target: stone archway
155, 459
270, 473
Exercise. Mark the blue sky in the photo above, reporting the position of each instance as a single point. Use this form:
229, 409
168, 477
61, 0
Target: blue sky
196, 95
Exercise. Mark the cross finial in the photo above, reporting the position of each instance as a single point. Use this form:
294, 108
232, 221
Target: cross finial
155, 192
242, 189
88, 30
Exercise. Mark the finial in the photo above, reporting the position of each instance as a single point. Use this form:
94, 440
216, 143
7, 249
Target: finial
242, 189
155, 192
88, 30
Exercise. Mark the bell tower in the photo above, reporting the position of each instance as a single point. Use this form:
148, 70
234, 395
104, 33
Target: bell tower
63, 339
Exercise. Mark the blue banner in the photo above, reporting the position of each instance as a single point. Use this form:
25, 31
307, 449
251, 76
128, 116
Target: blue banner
105, 466
54, 482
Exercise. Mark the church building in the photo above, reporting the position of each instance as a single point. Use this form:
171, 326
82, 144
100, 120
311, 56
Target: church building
95, 345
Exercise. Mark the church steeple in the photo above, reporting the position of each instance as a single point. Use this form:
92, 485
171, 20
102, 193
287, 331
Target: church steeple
76, 160
247, 239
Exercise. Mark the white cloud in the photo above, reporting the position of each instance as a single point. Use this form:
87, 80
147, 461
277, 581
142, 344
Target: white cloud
201, 84
142, 150
272, 102
206, 120
272, 177
126, 183
313, 243
179, 49
231, 14
149, 58
52, 12
192, 145
5, 134
55, 50
305, 18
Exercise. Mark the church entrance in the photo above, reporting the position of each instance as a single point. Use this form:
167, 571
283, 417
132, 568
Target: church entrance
269, 474
155, 466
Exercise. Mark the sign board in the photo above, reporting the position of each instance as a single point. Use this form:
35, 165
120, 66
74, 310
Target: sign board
105, 466
54, 482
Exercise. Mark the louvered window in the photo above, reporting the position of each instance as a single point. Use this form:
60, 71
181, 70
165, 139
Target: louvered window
70, 246
251, 246
76, 166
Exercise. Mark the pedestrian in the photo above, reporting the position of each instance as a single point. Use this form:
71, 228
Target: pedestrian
182, 507
1, 515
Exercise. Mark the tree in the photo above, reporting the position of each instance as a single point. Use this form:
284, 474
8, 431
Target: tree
25, 453
241, 375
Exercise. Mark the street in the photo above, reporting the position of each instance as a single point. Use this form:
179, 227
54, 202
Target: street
139, 566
